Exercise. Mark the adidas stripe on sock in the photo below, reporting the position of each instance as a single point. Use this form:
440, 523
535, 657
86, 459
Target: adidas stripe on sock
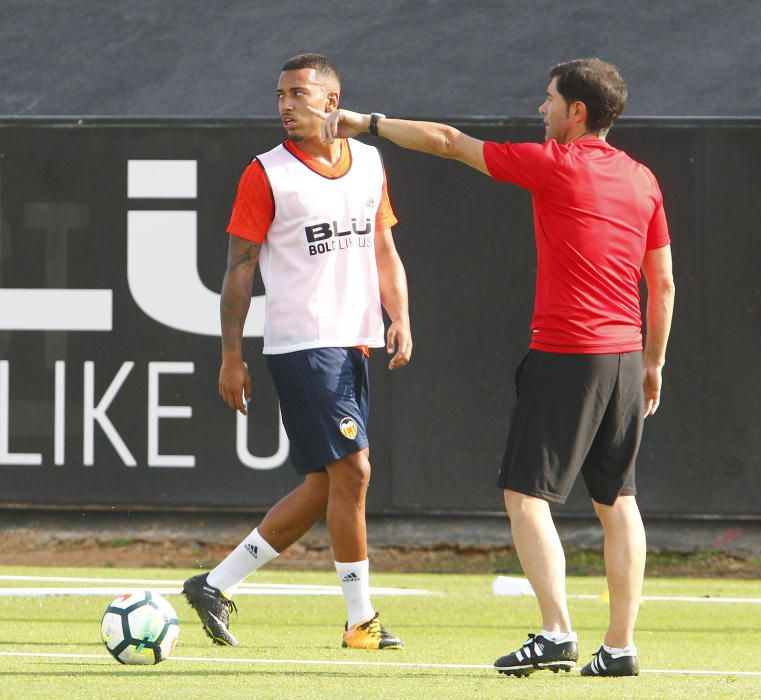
355, 585
251, 554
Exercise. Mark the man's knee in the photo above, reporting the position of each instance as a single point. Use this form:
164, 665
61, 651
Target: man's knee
517, 503
622, 504
351, 471
623, 510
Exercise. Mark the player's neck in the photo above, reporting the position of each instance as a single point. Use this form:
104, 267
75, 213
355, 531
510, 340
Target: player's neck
327, 153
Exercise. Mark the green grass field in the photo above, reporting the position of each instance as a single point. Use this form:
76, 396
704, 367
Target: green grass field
461, 623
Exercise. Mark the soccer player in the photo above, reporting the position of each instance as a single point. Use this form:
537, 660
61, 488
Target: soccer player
319, 217
585, 386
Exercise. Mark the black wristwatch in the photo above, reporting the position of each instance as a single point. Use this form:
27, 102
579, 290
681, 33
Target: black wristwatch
374, 118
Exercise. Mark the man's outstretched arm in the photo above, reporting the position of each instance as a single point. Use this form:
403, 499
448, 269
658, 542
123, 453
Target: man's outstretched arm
427, 137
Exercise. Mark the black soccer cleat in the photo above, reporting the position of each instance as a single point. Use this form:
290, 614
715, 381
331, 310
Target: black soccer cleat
539, 654
213, 607
605, 664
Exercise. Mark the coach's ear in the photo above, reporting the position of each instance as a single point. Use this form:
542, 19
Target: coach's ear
577, 111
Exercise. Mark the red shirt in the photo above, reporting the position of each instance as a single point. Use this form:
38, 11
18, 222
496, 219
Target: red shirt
254, 209
596, 212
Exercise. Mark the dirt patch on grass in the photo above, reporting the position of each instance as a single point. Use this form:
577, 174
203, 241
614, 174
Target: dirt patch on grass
24, 548
124, 538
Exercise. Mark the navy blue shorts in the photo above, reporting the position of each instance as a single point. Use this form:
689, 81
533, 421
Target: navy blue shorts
325, 403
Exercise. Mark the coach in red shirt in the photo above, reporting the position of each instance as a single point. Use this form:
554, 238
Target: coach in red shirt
586, 385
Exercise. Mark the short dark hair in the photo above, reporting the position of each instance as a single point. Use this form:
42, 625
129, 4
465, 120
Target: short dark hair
597, 84
322, 64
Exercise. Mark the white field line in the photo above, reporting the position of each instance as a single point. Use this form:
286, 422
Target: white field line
680, 599
142, 581
674, 672
167, 582
39, 591
286, 589
155, 584
370, 664
115, 591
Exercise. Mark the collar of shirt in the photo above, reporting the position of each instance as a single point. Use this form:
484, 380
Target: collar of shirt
337, 169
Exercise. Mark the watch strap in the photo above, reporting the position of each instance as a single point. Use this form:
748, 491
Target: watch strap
375, 117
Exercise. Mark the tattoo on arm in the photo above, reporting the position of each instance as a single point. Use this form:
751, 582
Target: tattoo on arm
242, 257
245, 253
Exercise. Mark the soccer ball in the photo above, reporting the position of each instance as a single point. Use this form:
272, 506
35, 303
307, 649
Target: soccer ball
140, 627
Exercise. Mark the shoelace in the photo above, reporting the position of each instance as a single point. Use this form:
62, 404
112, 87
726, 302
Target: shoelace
230, 605
367, 625
372, 626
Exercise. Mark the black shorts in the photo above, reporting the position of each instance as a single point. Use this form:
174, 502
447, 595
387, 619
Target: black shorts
575, 413
325, 403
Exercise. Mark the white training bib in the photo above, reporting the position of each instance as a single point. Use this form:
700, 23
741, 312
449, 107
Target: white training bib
318, 259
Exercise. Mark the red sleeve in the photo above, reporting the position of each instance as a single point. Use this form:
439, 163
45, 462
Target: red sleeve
658, 231
385, 217
254, 206
524, 164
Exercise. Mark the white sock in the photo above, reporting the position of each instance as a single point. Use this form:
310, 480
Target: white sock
560, 637
355, 584
628, 650
251, 554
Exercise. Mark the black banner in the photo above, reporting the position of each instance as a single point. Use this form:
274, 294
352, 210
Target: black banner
112, 252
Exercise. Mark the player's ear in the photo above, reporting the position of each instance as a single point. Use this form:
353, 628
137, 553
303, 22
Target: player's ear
331, 103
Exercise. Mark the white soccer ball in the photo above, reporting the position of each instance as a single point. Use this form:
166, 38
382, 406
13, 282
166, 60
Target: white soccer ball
140, 627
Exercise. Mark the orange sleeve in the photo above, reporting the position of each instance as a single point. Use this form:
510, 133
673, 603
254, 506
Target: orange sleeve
254, 206
385, 217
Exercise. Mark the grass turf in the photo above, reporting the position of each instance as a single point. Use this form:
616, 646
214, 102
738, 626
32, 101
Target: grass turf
464, 623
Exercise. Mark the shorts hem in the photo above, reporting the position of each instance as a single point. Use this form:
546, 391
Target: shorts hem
535, 493
319, 465
350, 450
612, 501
